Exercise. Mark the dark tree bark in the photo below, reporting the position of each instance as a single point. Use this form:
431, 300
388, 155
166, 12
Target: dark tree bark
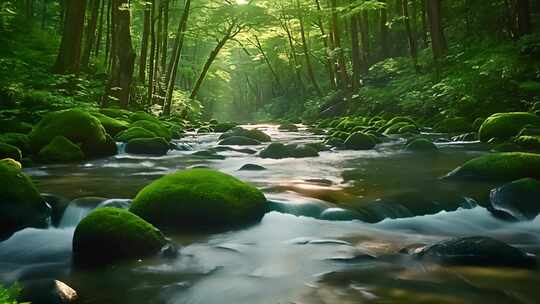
151, 60
355, 52
144, 44
342, 70
438, 40
165, 34
424, 23
69, 55
124, 56
523, 17
305, 47
363, 22
97, 47
410, 34
329, 64
90, 33
385, 51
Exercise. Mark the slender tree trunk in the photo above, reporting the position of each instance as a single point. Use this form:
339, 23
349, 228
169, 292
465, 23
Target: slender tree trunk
305, 47
410, 34
296, 65
100, 28
424, 23
144, 44
109, 34
90, 34
43, 14
364, 31
438, 41
207, 66
151, 61
69, 55
175, 60
165, 34
344, 78
355, 53
258, 45
329, 64
122, 72
523, 17
385, 51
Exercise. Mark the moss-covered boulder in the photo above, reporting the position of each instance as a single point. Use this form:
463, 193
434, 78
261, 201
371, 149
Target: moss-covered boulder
528, 142
9, 151
303, 151
199, 198
288, 128
340, 134
11, 162
400, 128
224, 127
499, 167
140, 115
14, 126
239, 141
177, 132
110, 234
116, 113
134, 132
253, 134
19, 140
421, 145
276, 151
113, 126
155, 127
76, 125
148, 146
402, 120
60, 149
453, 125
520, 198
20, 202
359, 141
335, 142
503, 126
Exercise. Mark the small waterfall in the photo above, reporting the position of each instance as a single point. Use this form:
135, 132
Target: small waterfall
73, 215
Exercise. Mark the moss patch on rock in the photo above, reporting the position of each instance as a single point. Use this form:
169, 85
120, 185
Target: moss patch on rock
9, 151
421, 145
19, 140
499, 167
61, 149
155, 127
111, 234
134, 132
112, 126
253, 134
239, 141
503, 126
360, 141
150, 146
199, 198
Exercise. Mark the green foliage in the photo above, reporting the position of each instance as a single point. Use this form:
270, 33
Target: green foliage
9, 295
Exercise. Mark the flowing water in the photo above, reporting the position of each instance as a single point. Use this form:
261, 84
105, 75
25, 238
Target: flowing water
291, 256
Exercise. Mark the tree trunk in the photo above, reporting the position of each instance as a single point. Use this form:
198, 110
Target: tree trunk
177, 51
305, 47
364, 31
355, 53
329, 64
69, 55
151, 61
523, 17
144, 44
410, 34
258, 45
342, 71
296, 65
100, 28
90, 34
122, 72
438, 41
424, 23
207, 66
385, 51
165, 34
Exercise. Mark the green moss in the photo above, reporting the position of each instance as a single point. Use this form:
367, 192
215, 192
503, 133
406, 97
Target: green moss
253, 134
224, 126
111, 234
116, 113
20, 202
197, 198
239, 141
530, 142
505, 125
500, 166
421, 145
19, 140
61, 149
408, 129
396, 120
151, 146
134, 132
397, 127
288, 128
15, 126
275, 151
453, 125
112, 126
9, 151
11, 162
360, 141
155, 127
177, 132
143, 116
303, 151
340, 134
76, 125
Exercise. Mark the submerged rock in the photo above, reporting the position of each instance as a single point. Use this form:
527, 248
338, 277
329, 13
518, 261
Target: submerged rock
520, 198
61, 149
499, 166
111, 234
239, 141
421, 145
503, 126
359, 141
279, 151
21, 204
47, 291
208, 154
288, 128
149, 146
199, 198
252, 167
253, 134
475, 251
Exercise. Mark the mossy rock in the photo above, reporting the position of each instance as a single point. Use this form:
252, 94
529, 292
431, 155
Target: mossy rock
396, 120
252, 167
288, 128
208, 154
76, 125
360, 141
335, 142
340, 134
134, 132
304, 151
148, 146
20, 202
253, 134
140, 115
224, 127
506, 125
519, 198
276, 151
11, 162
318, 146
421, 145
199, 198
529, 142
205, 130
177, 132
112, 126
408, 129
239, 141
9, 151
19, 140
478, 123
116, 113
396, 128
60, 149
500, 167
453, 125
107, 235
14, 126
507, 147
155, 127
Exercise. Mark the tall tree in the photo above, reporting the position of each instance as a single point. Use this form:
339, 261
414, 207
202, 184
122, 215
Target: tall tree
326, 39
523, 17
438, 40
410, 34
307, 54
90, 33
69, 55
144, 43
336, 33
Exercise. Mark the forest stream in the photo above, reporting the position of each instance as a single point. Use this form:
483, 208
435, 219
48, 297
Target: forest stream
305, 249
